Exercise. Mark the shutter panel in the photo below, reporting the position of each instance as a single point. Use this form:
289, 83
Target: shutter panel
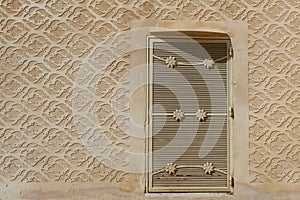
188, 132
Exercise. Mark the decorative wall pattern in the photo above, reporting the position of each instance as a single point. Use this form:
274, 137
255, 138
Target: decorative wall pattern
43, 44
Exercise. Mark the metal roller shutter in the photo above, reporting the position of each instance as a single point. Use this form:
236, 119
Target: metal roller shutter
188, 104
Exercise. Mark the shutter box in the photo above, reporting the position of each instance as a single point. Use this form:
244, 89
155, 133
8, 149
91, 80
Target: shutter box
188, 117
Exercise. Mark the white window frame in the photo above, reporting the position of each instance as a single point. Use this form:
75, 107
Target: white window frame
150, 41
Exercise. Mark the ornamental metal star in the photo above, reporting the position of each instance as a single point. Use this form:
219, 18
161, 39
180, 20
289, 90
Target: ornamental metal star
171, 62
208, 168
171, 168
178, 114
201, 115
208, 63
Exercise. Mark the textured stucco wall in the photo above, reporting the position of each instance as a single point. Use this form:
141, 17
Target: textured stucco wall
44, 44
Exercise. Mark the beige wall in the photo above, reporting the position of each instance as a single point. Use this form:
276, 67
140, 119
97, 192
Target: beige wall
43, 47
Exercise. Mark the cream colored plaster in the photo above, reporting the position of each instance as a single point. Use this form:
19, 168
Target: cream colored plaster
48, 47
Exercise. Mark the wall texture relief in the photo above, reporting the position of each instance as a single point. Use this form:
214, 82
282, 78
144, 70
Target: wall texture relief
44, 44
